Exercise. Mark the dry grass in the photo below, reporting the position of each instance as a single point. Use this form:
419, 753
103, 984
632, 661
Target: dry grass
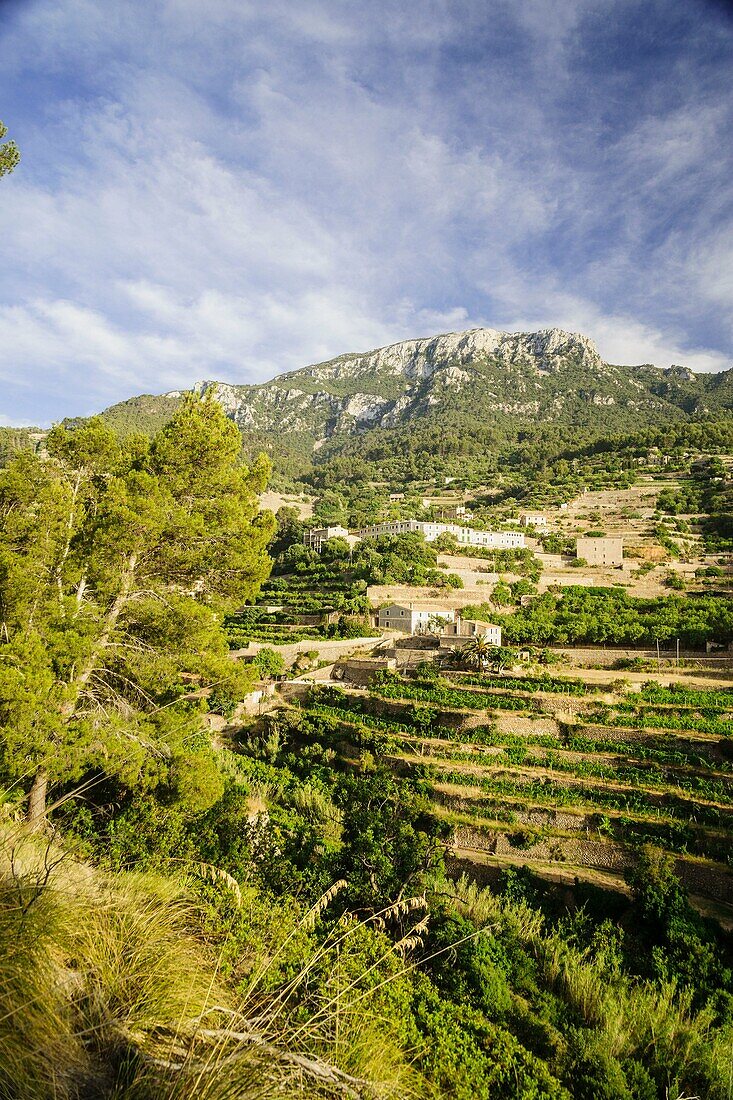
107, 991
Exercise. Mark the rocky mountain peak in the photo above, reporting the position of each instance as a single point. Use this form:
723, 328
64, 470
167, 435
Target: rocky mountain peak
421, 358
482, 372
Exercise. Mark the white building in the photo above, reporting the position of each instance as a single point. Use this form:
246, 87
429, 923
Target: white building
462, 629
533, 519
316, 537
414, 618
467, 536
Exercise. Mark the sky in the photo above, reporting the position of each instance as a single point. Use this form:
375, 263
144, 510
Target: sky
229, 189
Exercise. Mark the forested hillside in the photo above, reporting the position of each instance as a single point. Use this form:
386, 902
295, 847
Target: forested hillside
194, 905
450, 405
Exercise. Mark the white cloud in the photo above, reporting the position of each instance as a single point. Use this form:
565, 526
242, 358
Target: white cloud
240, 191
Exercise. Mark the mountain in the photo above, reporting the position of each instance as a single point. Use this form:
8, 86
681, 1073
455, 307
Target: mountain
521, 375
487, 388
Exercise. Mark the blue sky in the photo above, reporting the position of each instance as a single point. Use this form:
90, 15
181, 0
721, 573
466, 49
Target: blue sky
232, 188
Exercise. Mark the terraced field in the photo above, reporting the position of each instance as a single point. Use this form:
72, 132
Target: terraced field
562, 775
295, 608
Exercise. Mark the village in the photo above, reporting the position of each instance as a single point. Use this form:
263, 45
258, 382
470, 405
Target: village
560, 757
601, 539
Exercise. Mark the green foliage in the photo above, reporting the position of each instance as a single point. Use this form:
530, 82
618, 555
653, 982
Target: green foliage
605, 616
116, 561
397, 559
268, 663
391, 839
9, 153
144, 415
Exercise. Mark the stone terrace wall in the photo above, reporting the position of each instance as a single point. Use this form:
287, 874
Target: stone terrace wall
522, 726
589, 657
710, 880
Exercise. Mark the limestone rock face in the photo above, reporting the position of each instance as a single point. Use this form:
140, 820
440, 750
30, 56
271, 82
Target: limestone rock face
389, 385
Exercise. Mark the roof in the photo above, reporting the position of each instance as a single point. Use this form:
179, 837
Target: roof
420, 605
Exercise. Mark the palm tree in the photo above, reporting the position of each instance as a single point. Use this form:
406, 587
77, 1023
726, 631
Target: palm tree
476, 653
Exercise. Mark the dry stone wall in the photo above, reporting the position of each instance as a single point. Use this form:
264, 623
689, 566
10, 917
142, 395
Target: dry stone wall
521, 726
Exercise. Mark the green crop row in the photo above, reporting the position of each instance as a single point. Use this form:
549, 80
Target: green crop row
676, 836
647, 750
391, 687
353, 717
351, 710
684, 696
633, 775
528, 683
547, 793
240, 640
662, 720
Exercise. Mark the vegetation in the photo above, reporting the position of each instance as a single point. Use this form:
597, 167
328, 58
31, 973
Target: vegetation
9, 153
608, 616
278, 909
112, 578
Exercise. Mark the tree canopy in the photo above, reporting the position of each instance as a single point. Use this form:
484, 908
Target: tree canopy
9, 153
117, 564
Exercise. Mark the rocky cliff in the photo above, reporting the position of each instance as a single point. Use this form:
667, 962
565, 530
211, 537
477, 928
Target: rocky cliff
392, 384
486, 377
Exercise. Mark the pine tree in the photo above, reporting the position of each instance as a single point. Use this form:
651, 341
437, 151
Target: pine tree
117, 564
9, 153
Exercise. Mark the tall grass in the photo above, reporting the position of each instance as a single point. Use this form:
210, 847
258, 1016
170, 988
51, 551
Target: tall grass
109, 990
654, 1023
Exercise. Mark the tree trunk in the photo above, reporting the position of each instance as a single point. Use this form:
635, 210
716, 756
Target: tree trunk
79, 682
37, 800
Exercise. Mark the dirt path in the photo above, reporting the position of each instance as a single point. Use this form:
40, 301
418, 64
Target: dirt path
636, 679
329, 649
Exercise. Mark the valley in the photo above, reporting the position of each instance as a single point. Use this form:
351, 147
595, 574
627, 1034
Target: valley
425, 720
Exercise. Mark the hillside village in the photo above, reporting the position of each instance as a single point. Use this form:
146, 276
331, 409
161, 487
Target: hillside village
559, 757
600, 538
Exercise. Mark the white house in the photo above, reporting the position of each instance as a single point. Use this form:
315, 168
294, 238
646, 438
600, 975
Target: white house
316, 537
533, 519
462, 629
467, 536
413, 618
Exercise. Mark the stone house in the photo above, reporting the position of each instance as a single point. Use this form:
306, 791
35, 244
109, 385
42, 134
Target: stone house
601, 551
315, 538
413, 618
461, 630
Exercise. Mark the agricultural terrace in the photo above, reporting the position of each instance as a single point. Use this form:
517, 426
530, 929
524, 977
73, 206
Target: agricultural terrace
552, 771
322, 603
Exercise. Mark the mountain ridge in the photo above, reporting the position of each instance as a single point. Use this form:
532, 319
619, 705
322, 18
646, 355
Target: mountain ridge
390, 385
482, 388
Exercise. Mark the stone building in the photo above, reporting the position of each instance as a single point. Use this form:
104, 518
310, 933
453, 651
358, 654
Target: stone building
601, 551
